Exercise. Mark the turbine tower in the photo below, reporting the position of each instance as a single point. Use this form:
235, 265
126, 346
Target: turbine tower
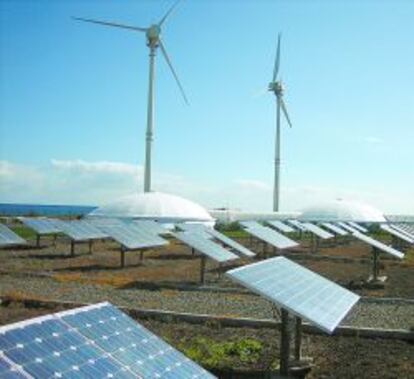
153, 35
276, 87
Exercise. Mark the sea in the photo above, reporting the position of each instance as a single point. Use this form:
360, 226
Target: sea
9, 209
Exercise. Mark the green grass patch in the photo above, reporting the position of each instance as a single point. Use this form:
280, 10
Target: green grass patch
211, 354
24, 232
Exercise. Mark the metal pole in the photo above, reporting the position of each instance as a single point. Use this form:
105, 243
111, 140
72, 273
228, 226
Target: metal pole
192, 251
284, 343
90, 246
375, 264
141, 255
72, 248
277, 158
150, 120
298, 338
202, 268
37, 240
122, 257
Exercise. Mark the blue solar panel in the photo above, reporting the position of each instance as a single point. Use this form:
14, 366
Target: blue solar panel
8, 237
10, 371
41, 225
97, 341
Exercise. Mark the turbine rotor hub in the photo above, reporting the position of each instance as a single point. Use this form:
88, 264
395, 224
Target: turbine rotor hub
153, 35
276, 87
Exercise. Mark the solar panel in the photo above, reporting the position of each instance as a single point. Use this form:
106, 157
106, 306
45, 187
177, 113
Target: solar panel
8, 237
379, 245
358, 227
40, 225
334, 228
96, 341
250, 224
271, 237
231, 243
396, 233
80, 230
195, 229
297, 289
280, 226
347, 227
297, 224
205, 246
317, 231
132, 237
401, 230
8, 370
151, 226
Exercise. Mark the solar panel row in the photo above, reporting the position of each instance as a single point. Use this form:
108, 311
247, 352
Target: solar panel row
80, 230
280, 226
297, 224
317, 231
334, 228
402, 230
9, 238
97, 341
347, 227
378, 245
151, 226
396, 233
41, 225
358, 227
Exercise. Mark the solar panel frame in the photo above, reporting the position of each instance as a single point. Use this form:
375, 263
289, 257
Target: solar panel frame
41, 226
205, 246
271, 236
379, 245
401, 230
230, 242
360, 228
297, 224
80, 230
317, 231
335, 228
347, 227
291, 286
9, 238
196, 229
396, 233
132, 237
280, 226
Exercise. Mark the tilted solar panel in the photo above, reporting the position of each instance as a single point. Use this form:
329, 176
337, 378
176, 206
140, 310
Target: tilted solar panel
297, 224
96, 341
8, 370
280, 226
401, 230
205, 246
396, 233
379, 245
195, 229
40, 225
132, 237
317, 231
151, 226
347, 227
297, 289
250, 224
358, 227
334, 228
231, 243
9, 238
407, 228
80, 230
271, 237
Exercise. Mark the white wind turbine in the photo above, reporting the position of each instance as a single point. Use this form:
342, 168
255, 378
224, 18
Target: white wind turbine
276, 87
153, 34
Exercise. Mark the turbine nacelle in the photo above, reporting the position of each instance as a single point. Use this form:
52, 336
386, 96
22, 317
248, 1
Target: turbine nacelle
276, 87
153, 35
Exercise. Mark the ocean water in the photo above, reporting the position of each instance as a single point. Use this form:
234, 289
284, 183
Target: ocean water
44, 210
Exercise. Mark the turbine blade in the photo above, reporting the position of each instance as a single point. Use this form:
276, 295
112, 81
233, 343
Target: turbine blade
277, 59
164, 52
135, 28
285, 112
168, 13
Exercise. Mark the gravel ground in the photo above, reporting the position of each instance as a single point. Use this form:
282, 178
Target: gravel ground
397, 315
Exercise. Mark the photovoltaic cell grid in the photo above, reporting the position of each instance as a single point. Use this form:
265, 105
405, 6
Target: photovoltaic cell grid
195, 229
280, 226
407, 228
97, 341
401, 230
347, 227
379, 245
10, 371
80, 230
396, 233
334, 228
40, 225
8, 237
151, 226
205, 246
298, 290
270, 236
317, 231
358, 227
132, 237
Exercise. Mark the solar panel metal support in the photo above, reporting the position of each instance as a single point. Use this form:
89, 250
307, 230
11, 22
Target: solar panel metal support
202, 268
90, 243
298, 339
72, 248
141, 255
192, 251
37, 240
122, 251
375, 264
285, 336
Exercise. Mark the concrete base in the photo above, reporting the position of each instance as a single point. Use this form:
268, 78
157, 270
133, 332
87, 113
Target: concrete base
378, 283
301, 368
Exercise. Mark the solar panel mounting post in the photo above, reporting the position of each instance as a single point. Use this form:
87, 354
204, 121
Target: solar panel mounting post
375, 264
72, 247
298, 339
90, 242
202, 268
122, 251
285, 336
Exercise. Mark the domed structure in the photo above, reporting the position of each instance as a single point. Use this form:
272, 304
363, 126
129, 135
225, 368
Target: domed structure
155, 206
342, 210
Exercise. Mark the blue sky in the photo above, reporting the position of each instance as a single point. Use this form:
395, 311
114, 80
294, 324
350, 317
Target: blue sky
73, 102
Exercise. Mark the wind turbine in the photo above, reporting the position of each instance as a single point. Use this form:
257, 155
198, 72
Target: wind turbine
276, 87
153, 35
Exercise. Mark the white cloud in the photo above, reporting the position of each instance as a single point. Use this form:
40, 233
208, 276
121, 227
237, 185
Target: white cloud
95, 183
373, 140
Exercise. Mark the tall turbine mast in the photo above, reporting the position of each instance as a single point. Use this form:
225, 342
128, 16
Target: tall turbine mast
276, 87
153, 35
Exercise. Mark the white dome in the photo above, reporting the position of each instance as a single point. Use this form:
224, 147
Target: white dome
154, 205
342, 210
